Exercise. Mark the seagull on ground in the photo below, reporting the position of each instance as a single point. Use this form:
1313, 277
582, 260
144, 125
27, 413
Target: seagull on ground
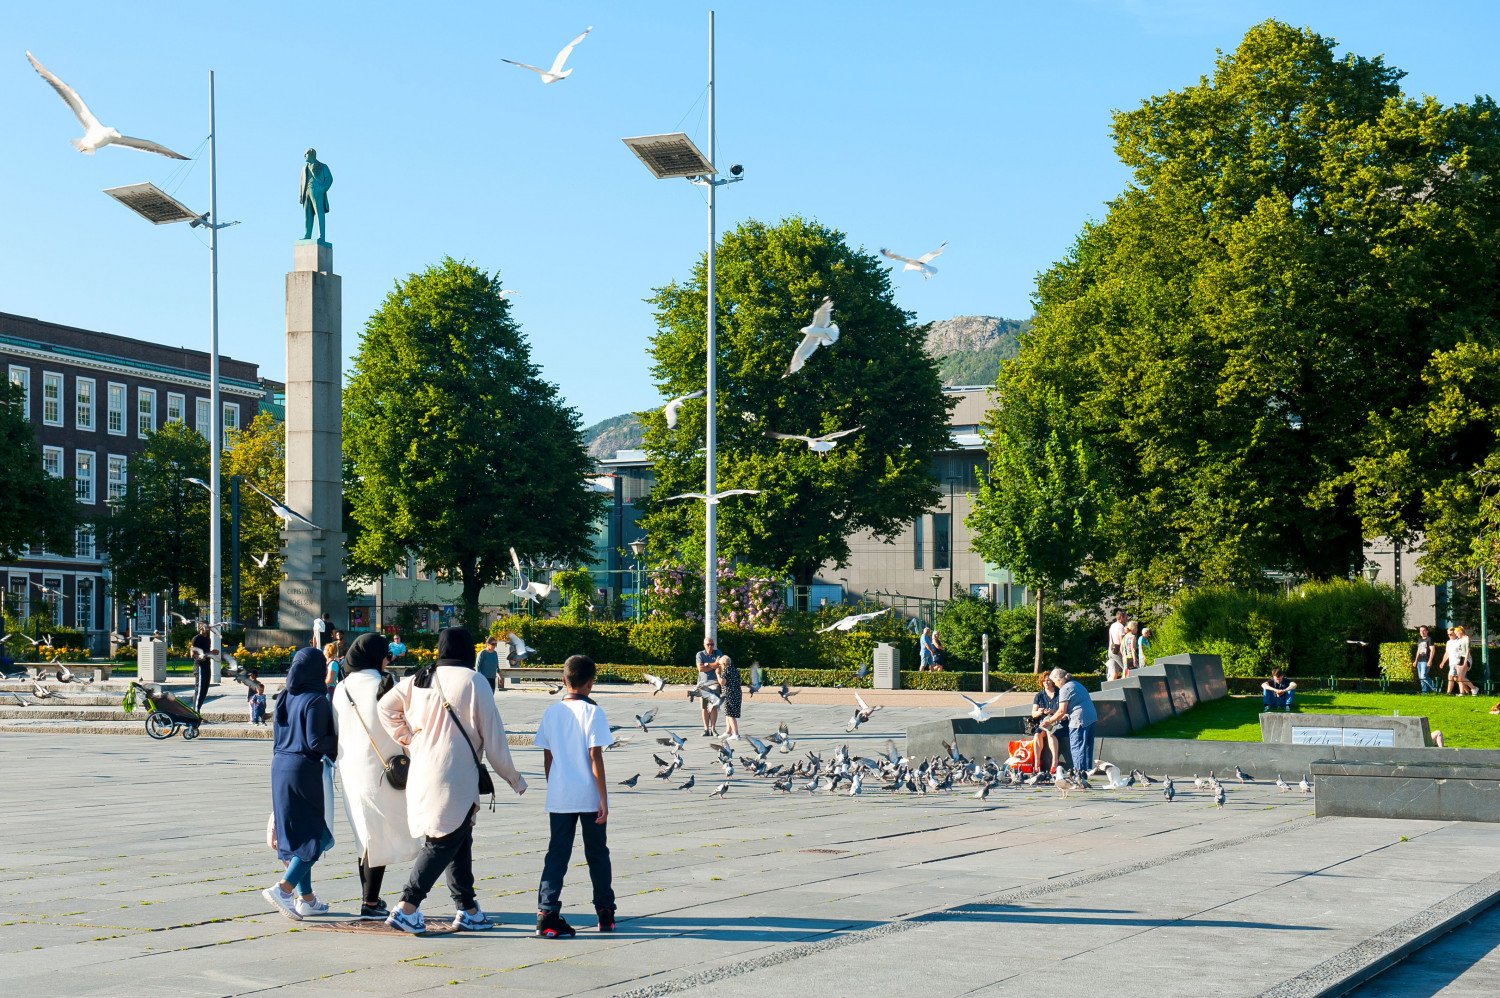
1169, 790
1304, 785
978, 711
689, 784
721, 790
1281, 784
557, 72
527, 589
281, 509
670, 409
852, 621
96, 135
713, 500
631, 782
1219, 797
673, 738
1242, 776
1111, 774
818, 445
921, 263
821, 332
553, 689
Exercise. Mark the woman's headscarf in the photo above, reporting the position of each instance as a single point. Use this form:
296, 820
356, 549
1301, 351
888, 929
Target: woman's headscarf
367, 652
306, 675
455, 646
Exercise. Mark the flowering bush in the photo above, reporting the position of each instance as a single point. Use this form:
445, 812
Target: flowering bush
749, 598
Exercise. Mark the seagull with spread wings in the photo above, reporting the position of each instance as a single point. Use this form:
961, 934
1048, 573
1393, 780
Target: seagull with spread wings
852, 621
95, 135
282, 510
525, 588
861, 714
821, 332
670, 409
818, 445
977, 709
556, 72
713, 500
921, 263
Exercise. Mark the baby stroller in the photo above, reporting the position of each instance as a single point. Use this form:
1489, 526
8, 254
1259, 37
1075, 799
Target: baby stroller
165, 713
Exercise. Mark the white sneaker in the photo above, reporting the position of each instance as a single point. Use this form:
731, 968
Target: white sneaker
413, 923
476, 922
313, 907
285, 903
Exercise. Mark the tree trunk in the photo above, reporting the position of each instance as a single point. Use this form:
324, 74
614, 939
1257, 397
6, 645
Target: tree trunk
469, 570
1036, 665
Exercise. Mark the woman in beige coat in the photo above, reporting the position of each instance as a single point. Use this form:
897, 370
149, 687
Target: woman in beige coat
446, 716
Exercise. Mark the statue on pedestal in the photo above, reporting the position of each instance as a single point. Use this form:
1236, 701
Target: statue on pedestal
316, 179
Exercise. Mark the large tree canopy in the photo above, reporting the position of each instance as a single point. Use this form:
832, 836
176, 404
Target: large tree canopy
459, 449
257, 454
35, 507
1251, 344
770, 280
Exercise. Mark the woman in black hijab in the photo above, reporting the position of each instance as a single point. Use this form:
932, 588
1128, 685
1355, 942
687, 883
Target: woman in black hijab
304, 738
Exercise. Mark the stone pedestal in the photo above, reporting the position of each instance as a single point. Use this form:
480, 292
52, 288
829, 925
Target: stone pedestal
314, 559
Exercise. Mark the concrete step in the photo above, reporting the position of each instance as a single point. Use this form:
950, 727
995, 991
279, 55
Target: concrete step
55, 726
80, 712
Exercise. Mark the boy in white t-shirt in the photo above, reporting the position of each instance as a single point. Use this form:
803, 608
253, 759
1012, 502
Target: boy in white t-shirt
573, 735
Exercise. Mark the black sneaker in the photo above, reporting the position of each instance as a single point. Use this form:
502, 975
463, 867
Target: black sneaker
376, 912
606, 918
552, 926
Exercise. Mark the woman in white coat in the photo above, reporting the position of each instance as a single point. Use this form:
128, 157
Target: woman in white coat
446, 714
376, 809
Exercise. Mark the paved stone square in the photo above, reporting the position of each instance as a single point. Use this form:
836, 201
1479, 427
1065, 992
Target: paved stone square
134, 867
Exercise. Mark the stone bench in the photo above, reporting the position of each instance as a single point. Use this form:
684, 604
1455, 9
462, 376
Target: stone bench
1435, 791
1367, 730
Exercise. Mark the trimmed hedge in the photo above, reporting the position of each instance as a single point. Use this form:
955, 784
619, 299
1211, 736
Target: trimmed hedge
966, 682
1075, 644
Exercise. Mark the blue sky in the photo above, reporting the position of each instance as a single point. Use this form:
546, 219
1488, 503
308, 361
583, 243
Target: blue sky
981, 123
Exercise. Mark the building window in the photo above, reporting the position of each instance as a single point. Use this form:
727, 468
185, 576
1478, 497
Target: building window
145, 423
83, 412
176, 407
52, 459
20, 596
918, 542
21, 378
83, 476
403, 568
200, 418
116, 418
53, 599
52, 391
116, 472
942, 540
83, 602
231, 417
83, 542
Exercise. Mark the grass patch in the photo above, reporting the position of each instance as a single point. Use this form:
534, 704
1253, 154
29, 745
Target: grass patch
1466, 722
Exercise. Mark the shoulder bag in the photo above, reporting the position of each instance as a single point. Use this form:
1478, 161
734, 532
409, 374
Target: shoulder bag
397, 766
486, 781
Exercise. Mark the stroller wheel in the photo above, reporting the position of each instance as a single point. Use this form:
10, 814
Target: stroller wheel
189, 732
159, 726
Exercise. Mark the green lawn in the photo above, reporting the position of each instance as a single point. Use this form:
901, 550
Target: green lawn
1466, 722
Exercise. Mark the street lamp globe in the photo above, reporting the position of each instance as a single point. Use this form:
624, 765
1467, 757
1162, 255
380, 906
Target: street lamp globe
1372, 570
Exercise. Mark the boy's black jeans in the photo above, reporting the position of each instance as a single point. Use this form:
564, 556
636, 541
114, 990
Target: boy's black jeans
453, 852
560, 850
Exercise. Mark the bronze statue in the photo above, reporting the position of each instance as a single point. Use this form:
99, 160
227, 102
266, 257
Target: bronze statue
316, 179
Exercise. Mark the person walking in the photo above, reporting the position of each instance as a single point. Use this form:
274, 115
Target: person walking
202, 650
729, 689
1130, 649
707, 664
1143, 648
333, 654
573, 735
445, 715
488, 663
1075, 704
927, 650
1423, 659
374, 798
320, 628
303, 739
1459, 662
1115, 660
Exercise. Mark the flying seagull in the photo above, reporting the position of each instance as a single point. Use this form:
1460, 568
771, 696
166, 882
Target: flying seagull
861, 714
850, 622
670, 409
556, 72
644, 719
821, 332
921, 263
713, 500
527, 589
282, 510
818, 445
518, 647
656, 682
977, 711
262, 560
95, 135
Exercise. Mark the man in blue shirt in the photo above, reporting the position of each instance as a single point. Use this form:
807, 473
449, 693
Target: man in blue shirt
1075, 705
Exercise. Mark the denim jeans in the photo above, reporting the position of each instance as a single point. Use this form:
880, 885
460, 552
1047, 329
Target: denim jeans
1271, 700
560, 850
1081, 746
453, 853
1428, 686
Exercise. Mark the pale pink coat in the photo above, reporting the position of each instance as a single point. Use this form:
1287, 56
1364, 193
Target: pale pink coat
443, 786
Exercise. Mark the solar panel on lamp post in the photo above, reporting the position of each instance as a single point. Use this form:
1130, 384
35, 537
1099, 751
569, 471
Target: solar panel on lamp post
675, 155
160, 208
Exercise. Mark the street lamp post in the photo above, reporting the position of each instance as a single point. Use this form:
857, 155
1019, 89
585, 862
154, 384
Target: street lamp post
638, 549
675, 155
937, 580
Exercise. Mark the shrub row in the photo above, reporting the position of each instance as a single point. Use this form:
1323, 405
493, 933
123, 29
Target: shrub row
1072, 643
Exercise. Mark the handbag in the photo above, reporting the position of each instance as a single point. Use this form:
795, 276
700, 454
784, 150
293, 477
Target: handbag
486, 781
398, 766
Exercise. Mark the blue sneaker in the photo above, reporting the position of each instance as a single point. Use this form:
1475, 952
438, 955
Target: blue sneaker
477, 922
413, 923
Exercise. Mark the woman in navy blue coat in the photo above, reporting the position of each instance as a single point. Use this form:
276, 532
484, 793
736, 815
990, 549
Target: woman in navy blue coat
304, 738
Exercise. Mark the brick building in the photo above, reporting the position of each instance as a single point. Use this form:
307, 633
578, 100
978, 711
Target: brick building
93, 398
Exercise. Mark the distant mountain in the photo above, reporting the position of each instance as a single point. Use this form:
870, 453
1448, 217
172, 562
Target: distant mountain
969, 348
615, 433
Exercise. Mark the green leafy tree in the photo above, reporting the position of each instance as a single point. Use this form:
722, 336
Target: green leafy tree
878, 376
35, 508
1298, 241
459, 449
257, 453
156, 535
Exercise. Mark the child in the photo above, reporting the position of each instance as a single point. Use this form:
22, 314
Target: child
257, 704
573, 735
